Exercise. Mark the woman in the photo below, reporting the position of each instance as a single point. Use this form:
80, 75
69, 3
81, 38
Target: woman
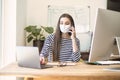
63, 45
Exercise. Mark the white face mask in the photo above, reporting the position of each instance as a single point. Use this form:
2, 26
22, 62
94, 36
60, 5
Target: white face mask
65, 28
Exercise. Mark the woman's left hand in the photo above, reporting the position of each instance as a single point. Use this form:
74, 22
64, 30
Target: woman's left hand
73, 33
73, 37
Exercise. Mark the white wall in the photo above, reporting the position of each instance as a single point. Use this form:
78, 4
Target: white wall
8, 33
37, 9
94, 5
0, 32
35, 12
21, 22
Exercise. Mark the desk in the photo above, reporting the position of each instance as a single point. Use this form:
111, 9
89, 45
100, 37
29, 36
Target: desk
80, 71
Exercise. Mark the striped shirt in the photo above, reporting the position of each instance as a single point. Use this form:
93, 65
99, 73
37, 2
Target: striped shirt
66, 50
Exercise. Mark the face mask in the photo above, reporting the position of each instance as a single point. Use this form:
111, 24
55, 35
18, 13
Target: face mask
65, 28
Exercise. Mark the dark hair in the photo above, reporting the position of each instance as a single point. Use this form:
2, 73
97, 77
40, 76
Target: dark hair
57, 36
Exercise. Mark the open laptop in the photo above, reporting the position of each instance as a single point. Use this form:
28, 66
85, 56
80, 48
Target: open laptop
28, 57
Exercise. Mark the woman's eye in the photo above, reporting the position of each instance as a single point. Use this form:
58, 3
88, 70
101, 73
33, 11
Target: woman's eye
67, 23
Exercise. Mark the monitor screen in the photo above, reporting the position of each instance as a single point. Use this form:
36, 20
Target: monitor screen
107, 27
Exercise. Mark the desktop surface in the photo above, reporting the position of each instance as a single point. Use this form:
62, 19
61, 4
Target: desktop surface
79, 71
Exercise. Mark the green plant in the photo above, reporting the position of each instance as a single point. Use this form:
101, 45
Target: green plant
37, 33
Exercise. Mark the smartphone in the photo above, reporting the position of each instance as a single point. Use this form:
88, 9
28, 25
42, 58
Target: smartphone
70, 32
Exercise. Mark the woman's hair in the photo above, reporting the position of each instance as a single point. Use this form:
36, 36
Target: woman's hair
57, 36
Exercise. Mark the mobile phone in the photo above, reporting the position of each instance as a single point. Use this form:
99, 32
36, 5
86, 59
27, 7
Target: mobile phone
70, 32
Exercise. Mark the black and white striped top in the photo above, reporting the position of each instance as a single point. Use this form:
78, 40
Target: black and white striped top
66, 50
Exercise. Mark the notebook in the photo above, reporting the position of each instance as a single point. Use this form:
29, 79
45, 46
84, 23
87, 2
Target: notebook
29, 57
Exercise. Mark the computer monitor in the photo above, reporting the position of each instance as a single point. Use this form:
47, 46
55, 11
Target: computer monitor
107, 27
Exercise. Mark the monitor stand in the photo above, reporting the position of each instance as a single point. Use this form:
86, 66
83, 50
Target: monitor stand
118, 43
116, 49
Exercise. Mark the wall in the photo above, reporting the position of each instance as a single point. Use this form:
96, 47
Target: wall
21, 22
35, 12
0, 31
8, 33
39, 15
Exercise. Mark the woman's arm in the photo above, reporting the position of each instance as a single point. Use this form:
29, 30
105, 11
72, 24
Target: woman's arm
75, 45
76, 54
74, 42
46, 48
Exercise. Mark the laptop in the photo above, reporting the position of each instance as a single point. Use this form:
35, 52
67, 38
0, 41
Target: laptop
28, 57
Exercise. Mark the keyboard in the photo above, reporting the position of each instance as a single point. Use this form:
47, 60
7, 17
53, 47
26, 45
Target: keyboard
103, 62
108, 62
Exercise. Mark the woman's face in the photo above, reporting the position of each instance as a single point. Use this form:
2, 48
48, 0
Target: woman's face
65, 21
65, 25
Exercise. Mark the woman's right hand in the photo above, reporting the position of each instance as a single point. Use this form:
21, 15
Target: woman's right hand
42, 60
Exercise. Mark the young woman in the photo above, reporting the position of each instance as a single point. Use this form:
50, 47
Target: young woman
63, 45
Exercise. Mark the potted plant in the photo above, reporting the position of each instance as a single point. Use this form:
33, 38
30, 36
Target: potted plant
37, 34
